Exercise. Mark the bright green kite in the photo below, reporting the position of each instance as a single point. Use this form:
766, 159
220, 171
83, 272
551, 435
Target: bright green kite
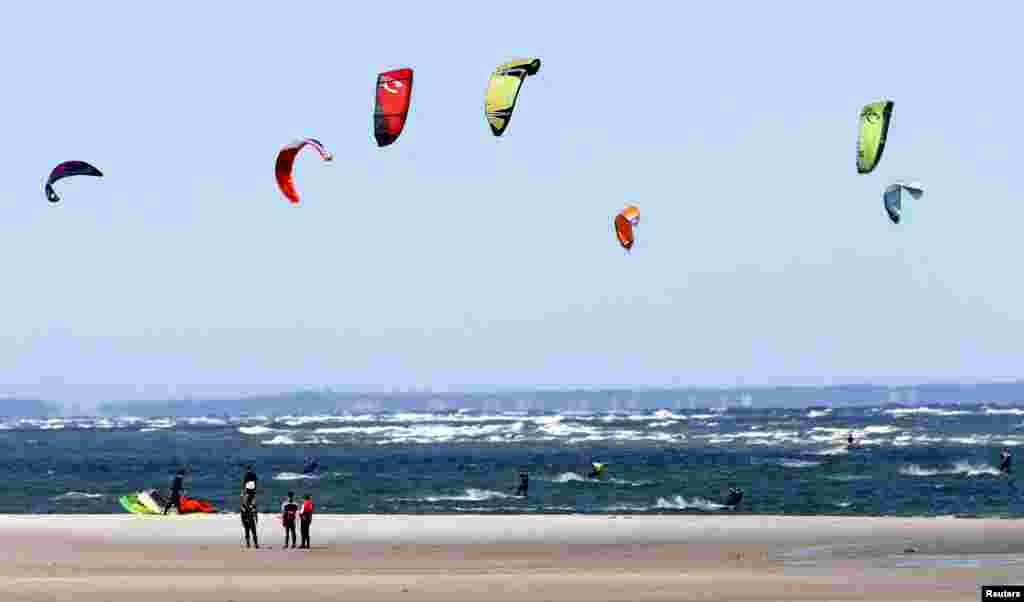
874, 127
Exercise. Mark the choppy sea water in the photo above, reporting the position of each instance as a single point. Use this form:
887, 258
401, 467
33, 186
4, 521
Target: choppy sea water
910, 461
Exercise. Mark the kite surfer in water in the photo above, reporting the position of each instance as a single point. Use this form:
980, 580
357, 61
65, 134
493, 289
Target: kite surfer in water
735, 495
524, 484
598, 471
1004, 461
311, 467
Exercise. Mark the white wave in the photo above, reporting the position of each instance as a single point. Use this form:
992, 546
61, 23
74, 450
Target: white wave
294, 476
471, 495
425, 432
286, 440
818, 414
799, 463
844, 504
206, 421
833, 451
961, 468
849, 477
971, 440
1004, 411
255, 430
901, 412
881, 429
77, 495
681, 503
161, 422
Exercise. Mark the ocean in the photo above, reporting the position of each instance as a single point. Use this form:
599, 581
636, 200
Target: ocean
923, 461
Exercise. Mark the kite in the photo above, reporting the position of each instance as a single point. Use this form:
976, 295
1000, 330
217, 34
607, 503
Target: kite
66, 170
893, 198
394, 93
285, 159
623, 225
503, 90
874, 128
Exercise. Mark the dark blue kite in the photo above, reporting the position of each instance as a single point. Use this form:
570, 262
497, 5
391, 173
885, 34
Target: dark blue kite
65, 170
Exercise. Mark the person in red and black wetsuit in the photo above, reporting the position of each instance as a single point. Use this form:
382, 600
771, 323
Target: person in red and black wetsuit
305, 519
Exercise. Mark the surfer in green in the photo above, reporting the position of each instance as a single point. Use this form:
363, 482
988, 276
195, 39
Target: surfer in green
176, 486
249, 520
598, 472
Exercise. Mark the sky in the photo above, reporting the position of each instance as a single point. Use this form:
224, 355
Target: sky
455, 259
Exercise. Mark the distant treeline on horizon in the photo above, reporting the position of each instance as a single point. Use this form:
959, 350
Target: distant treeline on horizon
327, 401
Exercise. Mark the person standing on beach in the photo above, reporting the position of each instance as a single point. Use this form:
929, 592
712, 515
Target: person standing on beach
288, 511
249, 519
305, 520
176, 487
249, 484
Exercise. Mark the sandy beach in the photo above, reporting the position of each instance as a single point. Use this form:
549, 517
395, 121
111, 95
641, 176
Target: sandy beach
591, 558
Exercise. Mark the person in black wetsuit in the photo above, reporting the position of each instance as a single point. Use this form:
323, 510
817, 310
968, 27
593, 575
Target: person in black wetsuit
311, 467
249, 519
176, 487
524, 484
735, 495
249, 484
289, 510
849, 438
1004, 461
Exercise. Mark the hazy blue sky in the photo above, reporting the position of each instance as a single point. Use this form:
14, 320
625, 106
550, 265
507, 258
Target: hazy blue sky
455, 258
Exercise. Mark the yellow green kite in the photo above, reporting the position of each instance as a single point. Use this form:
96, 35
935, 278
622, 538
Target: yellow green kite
874, 127
503, 89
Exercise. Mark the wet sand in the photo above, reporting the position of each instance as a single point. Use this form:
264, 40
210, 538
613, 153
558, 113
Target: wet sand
497, 558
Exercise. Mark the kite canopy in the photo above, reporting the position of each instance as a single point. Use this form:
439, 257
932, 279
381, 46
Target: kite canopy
624, 231
151, 502
394, 93
895, 195
66, 170
874, 128
285, 159
503, 90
